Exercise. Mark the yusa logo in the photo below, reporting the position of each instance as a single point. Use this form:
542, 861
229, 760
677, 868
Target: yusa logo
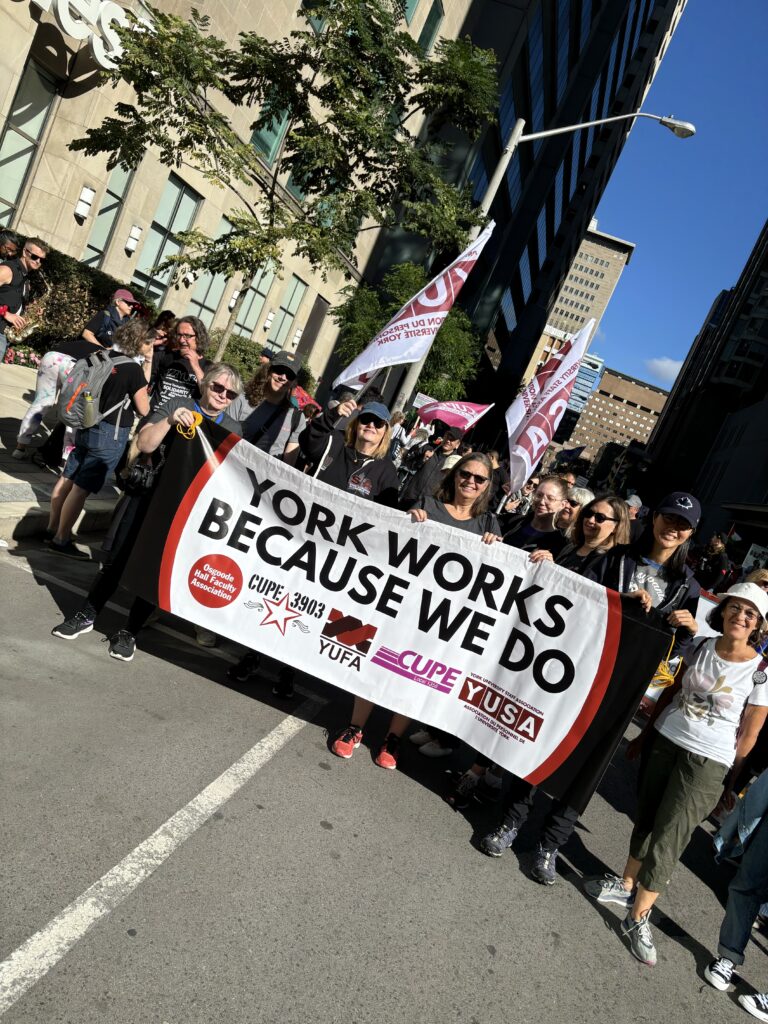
346, 639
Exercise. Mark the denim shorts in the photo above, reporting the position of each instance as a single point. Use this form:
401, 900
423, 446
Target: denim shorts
96, 453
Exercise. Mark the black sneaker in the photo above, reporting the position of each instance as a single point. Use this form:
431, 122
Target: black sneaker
122, 645
501, 839
246, 669
719, 973
284, 684
543, 869
464, 785
69, 629
70, 550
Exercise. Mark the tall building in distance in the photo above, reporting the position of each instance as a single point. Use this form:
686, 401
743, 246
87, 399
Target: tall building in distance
711, 436
584, 295
623, 409
563, 62
587, 380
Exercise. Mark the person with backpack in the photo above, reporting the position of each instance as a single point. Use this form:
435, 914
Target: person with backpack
269, 418
98, 397
218, 387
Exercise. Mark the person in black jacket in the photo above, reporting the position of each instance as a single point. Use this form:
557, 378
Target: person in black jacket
428, 477
713, 564
536, 529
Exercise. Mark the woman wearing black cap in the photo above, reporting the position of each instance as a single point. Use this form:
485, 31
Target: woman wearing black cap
270, 419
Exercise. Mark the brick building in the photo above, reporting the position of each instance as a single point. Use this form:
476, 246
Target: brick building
623, 409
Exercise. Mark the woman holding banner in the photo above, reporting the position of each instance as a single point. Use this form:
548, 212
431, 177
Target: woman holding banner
701, 731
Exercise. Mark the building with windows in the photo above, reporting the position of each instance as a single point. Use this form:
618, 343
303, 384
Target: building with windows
562, 62
623, 409
709, 440
127, 224
585, 293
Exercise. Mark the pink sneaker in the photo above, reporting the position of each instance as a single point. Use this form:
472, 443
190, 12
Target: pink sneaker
347, 743
387, 756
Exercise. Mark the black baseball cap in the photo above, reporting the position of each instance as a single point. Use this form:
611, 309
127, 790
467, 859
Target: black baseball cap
287, 359
679, 503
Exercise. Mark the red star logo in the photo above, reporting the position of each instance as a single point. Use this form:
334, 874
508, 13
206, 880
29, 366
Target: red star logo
279, 614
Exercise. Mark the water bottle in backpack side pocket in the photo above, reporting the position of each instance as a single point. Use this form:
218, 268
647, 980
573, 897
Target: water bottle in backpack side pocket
89, 410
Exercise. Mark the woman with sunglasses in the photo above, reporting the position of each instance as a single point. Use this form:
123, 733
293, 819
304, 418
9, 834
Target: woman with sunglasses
602, 524
576, 499
270, 419
701, 731
220, 385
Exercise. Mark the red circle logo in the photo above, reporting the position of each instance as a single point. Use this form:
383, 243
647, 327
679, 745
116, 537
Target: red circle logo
215, 581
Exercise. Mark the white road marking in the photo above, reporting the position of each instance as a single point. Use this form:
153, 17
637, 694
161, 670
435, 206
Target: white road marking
43, 950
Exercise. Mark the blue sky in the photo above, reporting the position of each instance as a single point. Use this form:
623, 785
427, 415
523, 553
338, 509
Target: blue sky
693, 207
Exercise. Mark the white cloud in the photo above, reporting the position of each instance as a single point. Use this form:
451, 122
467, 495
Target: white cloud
664, 369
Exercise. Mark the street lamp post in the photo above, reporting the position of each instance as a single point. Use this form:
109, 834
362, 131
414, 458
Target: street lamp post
682, 129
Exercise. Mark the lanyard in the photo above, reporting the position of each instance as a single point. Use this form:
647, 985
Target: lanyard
218, 419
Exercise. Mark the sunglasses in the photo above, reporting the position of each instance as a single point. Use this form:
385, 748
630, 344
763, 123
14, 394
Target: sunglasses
467, 476
368, 420
574, 504
219, 389
34, 256
600, 518
282, 371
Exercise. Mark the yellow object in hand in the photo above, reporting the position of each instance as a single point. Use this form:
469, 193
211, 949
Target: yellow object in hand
189, 432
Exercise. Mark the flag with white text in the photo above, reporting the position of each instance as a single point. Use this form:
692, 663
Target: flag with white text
454, 414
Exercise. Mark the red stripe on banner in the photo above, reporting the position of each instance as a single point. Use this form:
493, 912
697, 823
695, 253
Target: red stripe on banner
182, 514
594, 697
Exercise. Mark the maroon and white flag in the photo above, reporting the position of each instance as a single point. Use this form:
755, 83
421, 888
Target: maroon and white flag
533, 417
410, 333
454, 414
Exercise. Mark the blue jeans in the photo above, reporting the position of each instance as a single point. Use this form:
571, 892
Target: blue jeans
747, 891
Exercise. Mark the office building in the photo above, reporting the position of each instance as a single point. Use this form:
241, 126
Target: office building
623, 409
710, 437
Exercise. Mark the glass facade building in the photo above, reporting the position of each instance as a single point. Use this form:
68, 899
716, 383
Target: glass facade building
587, 380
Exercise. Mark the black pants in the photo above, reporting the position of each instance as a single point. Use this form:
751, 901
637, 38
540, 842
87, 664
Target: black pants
559, 823
132, 513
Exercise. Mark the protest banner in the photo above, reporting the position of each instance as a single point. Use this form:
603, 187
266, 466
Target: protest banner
533, 417
530, 664
410, 333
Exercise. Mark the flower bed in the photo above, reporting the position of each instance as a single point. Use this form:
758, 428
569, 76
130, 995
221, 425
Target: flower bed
22, 355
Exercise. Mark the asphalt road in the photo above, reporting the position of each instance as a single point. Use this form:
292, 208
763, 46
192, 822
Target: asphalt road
319, 891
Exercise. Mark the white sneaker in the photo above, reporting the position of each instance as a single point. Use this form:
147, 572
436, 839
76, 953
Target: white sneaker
205, 637
435, 749
420, 738
641, 939
609, 889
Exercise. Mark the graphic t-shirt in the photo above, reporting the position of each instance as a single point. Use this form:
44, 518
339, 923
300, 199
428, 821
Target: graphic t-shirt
704, 717
174, 377
126, 379
647, 576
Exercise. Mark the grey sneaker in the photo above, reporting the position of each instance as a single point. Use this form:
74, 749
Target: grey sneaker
80, 622
122, 645
496, 842
543, 869
719, 973
757, 1004
640, 938
609, 889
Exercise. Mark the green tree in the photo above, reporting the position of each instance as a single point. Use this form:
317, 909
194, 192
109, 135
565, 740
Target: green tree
454, 356
341, 106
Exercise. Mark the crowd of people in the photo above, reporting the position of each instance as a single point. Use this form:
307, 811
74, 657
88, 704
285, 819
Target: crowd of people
697, 749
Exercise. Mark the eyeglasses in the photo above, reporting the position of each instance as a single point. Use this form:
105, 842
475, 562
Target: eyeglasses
676, 522
466, 476
739, 609
599, 517
282, 371
219, 389
369, 420
574, 504
34, 256
185, 334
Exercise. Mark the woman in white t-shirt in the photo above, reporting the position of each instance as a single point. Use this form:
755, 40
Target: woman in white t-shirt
702, 729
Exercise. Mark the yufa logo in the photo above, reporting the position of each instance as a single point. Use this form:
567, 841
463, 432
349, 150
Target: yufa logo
346, 639
414, 666
513, 717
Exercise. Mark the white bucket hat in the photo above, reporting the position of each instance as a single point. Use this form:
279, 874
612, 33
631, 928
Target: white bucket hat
752, 593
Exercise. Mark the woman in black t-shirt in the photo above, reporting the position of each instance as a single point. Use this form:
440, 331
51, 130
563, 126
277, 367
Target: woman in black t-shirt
98, 449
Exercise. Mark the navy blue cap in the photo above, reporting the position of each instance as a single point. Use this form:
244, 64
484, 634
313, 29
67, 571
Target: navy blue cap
679, 503
376, 409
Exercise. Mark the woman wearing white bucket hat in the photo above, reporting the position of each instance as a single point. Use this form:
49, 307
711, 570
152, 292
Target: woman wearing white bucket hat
703, 727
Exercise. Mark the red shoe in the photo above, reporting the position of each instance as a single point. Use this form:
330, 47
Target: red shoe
387, 756
348, 742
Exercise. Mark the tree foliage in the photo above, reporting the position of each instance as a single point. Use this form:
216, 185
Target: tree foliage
455, 353
347, 97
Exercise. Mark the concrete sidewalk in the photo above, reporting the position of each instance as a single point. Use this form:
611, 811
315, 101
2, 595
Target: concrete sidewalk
25, 486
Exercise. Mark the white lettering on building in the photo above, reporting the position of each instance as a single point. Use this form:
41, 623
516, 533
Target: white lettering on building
94, 20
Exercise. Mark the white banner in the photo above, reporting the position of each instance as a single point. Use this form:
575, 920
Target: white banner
426, 620
533, 417
410, 333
